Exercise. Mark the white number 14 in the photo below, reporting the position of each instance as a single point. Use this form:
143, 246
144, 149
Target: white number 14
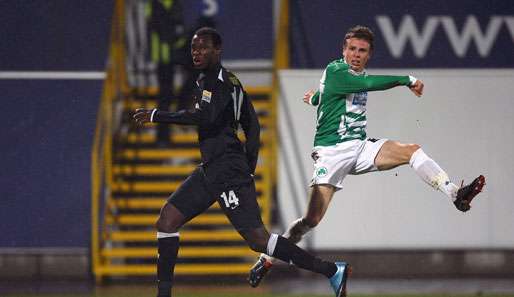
231, 201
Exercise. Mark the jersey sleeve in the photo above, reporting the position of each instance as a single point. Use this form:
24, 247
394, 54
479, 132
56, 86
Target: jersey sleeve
181, 117
209, 108
250, 124
315, 99
344, 81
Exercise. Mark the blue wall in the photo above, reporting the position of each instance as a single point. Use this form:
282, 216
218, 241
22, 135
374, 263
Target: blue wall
245, 25
47, 130
54, 35
47, 125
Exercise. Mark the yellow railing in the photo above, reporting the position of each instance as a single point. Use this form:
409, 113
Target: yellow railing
280, 61
101, 154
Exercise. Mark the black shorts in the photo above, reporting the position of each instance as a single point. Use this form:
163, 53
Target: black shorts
238, 201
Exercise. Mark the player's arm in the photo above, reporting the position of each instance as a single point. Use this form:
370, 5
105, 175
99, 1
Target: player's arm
344, 81
250, 124
209, 108
311, 97
181, 117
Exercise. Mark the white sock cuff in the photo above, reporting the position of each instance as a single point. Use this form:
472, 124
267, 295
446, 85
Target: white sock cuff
417, 158
272, 243
165, 235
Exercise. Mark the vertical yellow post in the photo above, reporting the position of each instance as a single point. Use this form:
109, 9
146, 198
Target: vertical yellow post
280, 61
281, 53
101, 167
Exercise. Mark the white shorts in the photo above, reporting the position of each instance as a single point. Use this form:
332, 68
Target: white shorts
333, 163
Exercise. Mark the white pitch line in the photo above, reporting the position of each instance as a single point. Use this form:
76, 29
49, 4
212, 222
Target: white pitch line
71, 75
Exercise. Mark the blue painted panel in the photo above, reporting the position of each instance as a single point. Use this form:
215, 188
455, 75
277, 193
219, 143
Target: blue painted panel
246, 25
54, 35
47, 131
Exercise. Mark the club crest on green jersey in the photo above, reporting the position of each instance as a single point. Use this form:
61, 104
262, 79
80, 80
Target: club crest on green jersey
321, 171
360, 98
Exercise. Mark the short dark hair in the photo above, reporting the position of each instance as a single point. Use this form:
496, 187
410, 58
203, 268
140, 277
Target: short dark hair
213, 35
360, 32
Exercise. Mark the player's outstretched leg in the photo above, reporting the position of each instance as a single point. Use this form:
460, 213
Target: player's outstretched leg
294, 234
432, 174
337, 273
279, 247
466, 193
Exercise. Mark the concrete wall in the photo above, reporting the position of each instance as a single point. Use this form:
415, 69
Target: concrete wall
465, 121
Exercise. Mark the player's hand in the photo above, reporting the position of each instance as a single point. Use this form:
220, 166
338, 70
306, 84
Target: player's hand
307, 96
417, 88
142, 116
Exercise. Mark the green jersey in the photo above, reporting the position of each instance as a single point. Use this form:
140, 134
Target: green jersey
341, 101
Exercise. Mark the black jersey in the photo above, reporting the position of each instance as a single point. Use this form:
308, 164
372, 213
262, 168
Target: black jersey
222, 105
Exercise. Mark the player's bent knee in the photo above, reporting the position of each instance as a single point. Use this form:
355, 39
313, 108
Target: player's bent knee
166, 225
414, 147
257, 246
409, 150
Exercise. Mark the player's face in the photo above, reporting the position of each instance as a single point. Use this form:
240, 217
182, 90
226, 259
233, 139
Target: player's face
203, 52
357, 53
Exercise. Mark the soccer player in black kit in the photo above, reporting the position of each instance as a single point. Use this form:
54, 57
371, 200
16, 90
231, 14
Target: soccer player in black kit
226, 172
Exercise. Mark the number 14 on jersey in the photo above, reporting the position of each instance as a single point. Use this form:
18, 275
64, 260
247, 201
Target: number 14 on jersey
231, 200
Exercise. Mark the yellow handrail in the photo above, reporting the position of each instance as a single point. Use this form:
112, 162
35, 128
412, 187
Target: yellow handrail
101, 154
280, 61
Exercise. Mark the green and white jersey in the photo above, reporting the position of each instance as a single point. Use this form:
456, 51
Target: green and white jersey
341, 101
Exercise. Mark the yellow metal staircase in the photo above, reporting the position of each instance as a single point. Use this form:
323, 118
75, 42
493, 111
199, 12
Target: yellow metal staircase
143, 176
132, 177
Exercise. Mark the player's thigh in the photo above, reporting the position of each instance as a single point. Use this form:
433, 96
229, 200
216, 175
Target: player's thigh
192, 197
239, 203
366, 160
393, 154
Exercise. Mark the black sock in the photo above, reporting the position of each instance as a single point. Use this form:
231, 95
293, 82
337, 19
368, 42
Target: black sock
289, 252
168, 249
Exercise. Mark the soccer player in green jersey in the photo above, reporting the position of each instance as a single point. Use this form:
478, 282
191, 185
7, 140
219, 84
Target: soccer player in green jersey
341, 146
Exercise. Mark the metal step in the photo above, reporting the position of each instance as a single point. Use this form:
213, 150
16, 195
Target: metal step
180, 269
158, 154
185, 236
150, 219
147, 136
150, 203
154, 170
184, 252
158, 186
